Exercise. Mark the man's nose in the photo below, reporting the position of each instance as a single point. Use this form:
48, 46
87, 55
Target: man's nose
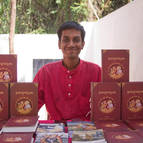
71, 43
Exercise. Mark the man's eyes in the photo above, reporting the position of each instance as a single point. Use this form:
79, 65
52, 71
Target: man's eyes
66, 40
75, 40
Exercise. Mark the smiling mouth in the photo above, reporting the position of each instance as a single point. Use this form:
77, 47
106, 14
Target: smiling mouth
71, 48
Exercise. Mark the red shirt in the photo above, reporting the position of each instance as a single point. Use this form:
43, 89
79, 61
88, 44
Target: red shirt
66, 93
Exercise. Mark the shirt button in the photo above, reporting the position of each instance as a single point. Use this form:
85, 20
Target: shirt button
68, 71
69, 94
69, 85
70, 77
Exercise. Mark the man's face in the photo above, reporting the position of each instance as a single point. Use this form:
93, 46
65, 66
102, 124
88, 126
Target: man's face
71, 43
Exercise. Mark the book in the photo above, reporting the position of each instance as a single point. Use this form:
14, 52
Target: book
115, 65
50, 128
135, 124
112, 125
93, 136
80, 126
8, 68
23, 99
4, 101
132, 101
139, 132
16, 138
21, 124
105, 101
2, 123
52, 138
123, 137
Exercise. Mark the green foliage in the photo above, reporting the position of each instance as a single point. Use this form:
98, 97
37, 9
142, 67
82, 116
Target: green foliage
104, 7
45, 16
80, 11
4, 16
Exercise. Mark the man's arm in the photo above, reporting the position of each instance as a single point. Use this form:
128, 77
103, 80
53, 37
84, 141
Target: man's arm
45, 95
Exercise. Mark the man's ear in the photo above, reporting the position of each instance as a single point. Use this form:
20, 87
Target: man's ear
83, 43
59, 44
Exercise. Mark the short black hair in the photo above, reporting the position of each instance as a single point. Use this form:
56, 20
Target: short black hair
71, 25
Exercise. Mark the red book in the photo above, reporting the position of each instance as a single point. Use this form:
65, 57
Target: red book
21, 124
23, 99
112, 125
135, 124
8, 68
123, 137
115, 65
4, 104
132, 101
105, 101
139, 132
16, 138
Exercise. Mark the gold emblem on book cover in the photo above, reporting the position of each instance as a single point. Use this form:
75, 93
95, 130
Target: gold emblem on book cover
1, 105
116, 71
22, 120
24, 105
13, 139
106, 105
112, 125
140, 124
135, 104
5, 75
123, 137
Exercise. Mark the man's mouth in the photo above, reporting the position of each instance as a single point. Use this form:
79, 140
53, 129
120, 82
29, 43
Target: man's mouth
71, 48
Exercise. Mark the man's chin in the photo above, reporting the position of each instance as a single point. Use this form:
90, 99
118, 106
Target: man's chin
72, 57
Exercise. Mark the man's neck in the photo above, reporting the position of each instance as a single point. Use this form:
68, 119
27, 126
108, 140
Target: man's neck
71, 64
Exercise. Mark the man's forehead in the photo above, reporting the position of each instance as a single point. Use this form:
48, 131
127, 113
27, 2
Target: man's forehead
69, 32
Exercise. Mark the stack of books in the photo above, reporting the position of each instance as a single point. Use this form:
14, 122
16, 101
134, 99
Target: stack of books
85, 131
52, 132
18, 104
16, 138
117, 103
8, 73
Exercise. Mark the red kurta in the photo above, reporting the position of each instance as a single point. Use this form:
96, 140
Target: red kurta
66, 93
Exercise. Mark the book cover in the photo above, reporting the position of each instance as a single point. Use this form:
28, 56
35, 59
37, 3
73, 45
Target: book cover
52, 138
50, 128
4, 101
80, 126
105, 101
16, 138
21, 124
132, 101
8, 68
115, 65
123, 137
23, 99
88, 136
135, 124
112, 125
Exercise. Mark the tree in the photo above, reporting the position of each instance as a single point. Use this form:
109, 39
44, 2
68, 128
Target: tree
101, 8
4, 16
12, 26
44, 16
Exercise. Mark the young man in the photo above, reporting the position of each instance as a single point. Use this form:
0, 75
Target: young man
64, 86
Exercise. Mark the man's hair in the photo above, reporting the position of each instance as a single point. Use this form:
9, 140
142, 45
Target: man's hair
71, 25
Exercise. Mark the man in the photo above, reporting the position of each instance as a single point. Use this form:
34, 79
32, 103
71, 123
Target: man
64, 86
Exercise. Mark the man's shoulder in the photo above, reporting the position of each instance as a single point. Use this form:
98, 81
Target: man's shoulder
52, 64
90, 64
